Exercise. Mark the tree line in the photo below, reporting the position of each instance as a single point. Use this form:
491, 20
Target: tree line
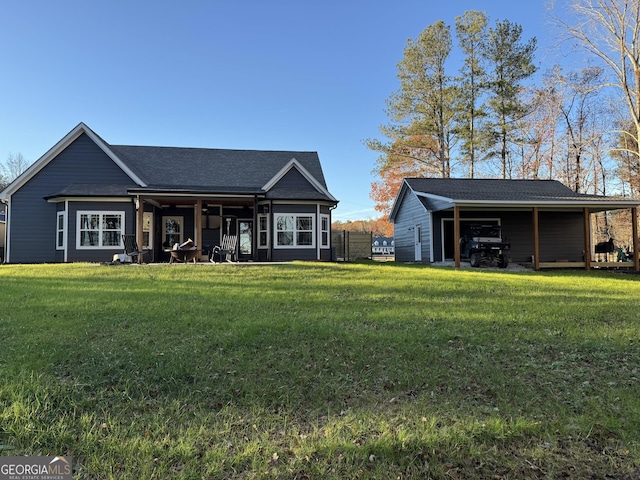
492, 119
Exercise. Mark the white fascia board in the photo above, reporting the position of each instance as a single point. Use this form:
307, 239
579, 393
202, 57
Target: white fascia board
293, 163
586, 203
105, 148
54, 151
396, 203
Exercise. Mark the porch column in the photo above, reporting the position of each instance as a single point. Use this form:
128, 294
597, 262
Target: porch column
456, 235
140, 227
587, 238
634, 230
198, 238
536, 240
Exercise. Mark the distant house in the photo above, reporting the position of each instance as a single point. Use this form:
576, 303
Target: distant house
382, 246
80, 197
546, 222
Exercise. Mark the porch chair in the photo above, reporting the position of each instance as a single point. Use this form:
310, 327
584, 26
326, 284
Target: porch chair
226, 248
131, 247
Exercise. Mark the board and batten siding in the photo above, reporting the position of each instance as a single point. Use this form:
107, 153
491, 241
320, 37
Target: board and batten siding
33, 220
411, 212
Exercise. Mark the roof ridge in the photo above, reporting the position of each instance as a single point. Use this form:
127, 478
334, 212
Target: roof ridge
214, 148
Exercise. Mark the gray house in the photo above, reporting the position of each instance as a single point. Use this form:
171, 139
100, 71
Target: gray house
79, 198
546, 222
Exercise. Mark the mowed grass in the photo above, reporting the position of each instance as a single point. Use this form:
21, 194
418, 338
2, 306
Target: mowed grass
314, 371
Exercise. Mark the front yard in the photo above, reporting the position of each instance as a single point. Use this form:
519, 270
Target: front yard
313, 370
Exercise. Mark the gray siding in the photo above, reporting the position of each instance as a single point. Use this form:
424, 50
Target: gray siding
294, 186
410, 213
95, 255
33, 219
289, 254
561, 236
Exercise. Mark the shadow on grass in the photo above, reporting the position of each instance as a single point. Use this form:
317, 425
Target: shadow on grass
334, 370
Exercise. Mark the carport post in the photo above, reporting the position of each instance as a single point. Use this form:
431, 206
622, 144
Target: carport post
456, 235
536, 240
634, 232
587, 238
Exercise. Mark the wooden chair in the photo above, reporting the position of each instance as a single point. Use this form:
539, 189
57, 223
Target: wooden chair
131, 247
226, 248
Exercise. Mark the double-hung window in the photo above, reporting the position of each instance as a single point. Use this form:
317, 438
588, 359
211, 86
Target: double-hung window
263, 231
99, 229
61, 230
324, 230
294, 231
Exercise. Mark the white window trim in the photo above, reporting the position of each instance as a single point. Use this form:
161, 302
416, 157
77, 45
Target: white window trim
102, 213
265, 231
328, 230
295, 231
63, 230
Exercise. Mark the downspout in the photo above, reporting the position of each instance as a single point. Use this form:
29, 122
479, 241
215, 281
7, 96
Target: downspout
5, 258
331, 254
318, 232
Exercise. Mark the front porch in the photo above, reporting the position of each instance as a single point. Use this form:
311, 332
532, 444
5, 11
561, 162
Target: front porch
266, 230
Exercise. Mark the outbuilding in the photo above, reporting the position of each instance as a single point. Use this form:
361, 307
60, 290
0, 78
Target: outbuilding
548, 224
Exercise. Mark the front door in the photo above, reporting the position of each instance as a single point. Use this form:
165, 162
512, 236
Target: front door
245, 239
418, 242
171, 231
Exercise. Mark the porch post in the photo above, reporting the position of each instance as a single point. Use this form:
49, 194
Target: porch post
634, 230
199, 227
587, 238
536, 240
254, 233
140, 227
456, 235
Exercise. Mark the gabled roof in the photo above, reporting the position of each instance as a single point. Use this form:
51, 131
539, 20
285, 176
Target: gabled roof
458, 189
199, 170
217, 169
69, 138
445, 193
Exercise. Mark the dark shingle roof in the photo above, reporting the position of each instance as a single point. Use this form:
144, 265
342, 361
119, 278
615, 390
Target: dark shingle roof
91, 190
213, 169
495, 189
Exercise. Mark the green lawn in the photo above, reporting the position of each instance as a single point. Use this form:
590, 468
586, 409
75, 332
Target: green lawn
314, 371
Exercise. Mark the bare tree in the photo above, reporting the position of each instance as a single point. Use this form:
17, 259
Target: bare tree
610, 30
11, 169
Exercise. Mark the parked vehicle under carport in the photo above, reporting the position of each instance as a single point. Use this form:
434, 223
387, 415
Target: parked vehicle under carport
483, 245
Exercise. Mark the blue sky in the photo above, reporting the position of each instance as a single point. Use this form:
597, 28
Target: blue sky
246, 74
